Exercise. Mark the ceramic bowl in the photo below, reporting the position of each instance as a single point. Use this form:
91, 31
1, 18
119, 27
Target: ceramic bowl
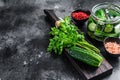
81, 21
112, 39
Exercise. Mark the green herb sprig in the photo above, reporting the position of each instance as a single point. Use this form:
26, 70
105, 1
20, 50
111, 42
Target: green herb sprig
67, 36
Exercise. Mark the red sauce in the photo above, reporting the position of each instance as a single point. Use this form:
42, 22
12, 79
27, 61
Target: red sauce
80, 15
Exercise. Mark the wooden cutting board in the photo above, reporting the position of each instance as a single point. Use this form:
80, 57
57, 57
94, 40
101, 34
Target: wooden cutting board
87, 72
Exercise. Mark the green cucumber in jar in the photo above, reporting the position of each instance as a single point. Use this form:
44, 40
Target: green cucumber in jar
101, 14
108, 28
113, 13
92, 26
110, 35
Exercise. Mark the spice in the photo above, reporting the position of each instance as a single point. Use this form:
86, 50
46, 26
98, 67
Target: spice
80, 15
113, 47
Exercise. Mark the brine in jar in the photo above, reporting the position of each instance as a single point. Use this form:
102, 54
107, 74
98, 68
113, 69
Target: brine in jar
104, 21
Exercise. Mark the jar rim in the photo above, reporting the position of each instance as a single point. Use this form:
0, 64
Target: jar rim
103, 5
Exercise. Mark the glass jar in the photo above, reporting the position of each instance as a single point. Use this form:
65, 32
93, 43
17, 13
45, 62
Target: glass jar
104, 21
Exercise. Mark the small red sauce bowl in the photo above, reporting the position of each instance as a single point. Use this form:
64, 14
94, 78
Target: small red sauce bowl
80, 16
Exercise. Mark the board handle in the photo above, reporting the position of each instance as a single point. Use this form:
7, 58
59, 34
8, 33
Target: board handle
51, 15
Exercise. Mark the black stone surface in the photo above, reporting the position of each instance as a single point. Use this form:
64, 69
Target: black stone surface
24, 39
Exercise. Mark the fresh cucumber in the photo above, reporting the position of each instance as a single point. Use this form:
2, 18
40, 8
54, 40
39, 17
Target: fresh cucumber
87, 56
92, 26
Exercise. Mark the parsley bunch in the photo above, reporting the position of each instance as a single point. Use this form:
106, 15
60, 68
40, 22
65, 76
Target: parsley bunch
66, 36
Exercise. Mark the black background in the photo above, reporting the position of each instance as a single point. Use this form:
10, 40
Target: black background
24, 39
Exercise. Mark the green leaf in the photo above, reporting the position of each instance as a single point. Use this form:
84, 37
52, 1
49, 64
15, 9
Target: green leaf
65, 36
100, 14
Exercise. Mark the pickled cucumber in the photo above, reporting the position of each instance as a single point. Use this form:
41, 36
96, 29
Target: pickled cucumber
92, 26
108, 28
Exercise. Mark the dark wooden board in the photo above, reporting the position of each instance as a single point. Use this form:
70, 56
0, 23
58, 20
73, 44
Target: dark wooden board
90, 73
87, 72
